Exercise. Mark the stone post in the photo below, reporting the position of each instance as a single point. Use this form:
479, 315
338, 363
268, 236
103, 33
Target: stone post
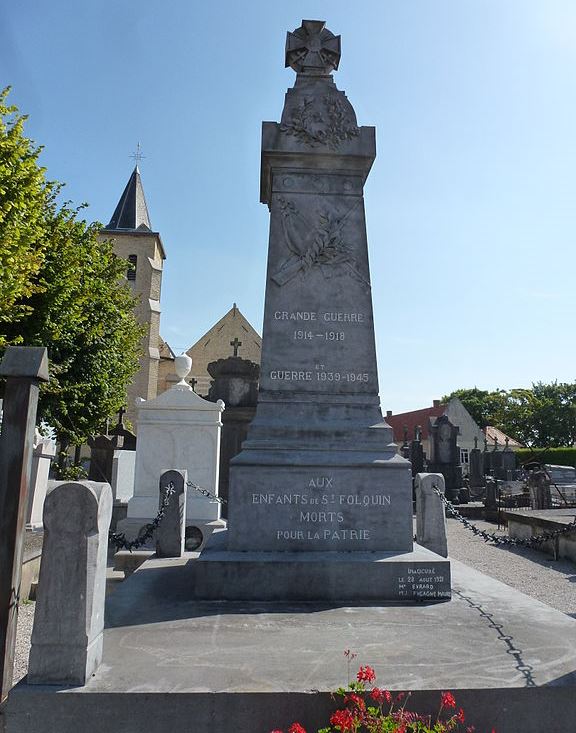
69, 619
23, 367
170, 532
430, 514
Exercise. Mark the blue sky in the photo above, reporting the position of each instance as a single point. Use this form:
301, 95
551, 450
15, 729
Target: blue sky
471, 203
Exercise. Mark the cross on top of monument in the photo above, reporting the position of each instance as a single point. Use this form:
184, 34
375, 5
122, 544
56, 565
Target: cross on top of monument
312, 50
236, 344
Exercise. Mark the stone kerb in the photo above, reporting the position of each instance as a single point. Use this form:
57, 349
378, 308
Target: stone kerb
170, 532
69, 618
430, 514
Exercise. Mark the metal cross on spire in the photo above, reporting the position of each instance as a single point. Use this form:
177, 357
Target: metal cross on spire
137, 155
313, 50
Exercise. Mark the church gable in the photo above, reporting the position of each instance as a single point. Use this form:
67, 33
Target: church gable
232, 335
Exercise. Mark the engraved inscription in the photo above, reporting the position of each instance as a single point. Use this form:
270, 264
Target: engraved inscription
324, 511
422, 582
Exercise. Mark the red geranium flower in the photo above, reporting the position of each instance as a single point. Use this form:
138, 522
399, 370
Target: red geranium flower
296, 728
366, 674
276, 731
381, 696
460, 717
343, 720
448, 700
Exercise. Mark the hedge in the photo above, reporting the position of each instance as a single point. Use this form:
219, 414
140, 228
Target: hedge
555, 456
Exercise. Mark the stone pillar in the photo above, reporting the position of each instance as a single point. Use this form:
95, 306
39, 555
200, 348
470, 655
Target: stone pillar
23, 367
69, 618
44, 452
430, 514
170, 532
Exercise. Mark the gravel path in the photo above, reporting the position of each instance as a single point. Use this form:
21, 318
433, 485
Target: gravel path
529, 571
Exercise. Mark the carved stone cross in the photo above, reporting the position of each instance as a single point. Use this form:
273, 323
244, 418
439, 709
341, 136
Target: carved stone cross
236, 344
312, 49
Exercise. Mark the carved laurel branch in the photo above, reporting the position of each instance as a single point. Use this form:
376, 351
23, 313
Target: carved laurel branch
326, 250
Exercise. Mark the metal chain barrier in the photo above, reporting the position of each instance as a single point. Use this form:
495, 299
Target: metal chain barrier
498, 540
206, 493
118, 539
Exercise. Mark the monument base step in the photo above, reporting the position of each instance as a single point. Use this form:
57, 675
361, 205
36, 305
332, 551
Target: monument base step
182, 665
220, 574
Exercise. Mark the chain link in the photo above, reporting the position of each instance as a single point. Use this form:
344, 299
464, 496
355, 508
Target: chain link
206, 493
497, 539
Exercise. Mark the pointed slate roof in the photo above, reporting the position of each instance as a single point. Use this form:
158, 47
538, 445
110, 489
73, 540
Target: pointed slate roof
131, 211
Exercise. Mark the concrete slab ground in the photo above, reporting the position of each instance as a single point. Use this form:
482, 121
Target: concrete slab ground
176, 664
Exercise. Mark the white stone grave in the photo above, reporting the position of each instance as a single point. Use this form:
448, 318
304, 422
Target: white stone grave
177, 430
123, 469
44, 452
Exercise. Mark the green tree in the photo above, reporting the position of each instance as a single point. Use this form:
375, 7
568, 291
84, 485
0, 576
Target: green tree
23, 197
74, 302
542, 416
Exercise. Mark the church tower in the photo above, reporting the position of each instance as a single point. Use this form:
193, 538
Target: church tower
135, 241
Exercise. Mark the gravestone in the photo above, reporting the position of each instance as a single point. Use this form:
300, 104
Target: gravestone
417, 452
476, 468
170, 532
69, 618
235, 382
430, 513
44, 452
120, 430
102, 449
320, 501
508, 462
445, 454
123, 467
177, 428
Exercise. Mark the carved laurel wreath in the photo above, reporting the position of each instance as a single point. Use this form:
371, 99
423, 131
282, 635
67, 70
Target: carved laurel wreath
312, 128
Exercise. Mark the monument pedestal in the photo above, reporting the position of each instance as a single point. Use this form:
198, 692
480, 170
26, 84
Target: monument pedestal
332, 577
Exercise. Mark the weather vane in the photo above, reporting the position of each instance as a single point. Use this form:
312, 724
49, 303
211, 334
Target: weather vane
137, 156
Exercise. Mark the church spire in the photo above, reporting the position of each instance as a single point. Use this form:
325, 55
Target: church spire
131, 211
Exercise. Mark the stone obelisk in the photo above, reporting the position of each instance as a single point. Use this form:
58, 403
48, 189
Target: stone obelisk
319, 470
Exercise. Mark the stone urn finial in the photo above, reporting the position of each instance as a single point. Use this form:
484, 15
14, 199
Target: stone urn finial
182, 367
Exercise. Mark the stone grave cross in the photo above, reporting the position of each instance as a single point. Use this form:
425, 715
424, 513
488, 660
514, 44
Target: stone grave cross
236, 343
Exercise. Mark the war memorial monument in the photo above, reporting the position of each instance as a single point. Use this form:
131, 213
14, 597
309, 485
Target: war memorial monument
320, 501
